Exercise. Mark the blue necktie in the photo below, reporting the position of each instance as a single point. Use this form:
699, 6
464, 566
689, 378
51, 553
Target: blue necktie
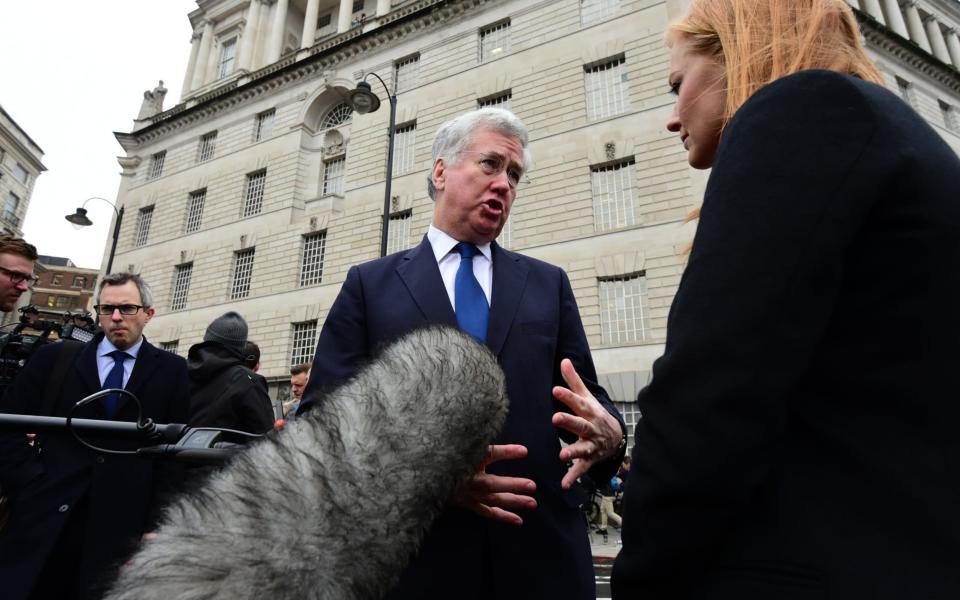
471, 306
114, 380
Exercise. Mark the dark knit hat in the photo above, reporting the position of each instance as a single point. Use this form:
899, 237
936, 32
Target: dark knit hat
229, 330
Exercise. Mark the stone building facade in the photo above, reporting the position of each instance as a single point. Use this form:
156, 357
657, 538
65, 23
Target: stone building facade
260, 188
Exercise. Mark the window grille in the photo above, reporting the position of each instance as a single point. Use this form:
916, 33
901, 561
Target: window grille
338, 115
172, 346
253, 199
207, 145
505, 239
181, 286
631, 416
495, 41
20, 174
264, 125
195, 210
594, 11
144, 217
333, 171
10, 207
311, 259
501, 100
325, 21
607, 91
398, 233
403, 142
615, 200
242, 273
227, 55
406, 73
303, 342
357, 6
156, 165
624, 316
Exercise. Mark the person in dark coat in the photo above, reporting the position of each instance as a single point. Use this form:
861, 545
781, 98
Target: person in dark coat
78, 513
224, 392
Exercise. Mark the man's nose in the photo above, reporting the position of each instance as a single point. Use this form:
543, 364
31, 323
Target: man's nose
23, 286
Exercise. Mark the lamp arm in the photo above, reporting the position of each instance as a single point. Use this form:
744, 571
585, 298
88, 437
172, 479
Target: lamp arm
112, 205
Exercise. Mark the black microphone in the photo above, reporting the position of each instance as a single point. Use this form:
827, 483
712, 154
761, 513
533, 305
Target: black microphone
336, 504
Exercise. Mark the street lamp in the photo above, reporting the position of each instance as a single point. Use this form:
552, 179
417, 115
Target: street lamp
80, 218
363, 100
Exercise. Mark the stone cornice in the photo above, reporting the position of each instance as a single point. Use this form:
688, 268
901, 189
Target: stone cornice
322, 57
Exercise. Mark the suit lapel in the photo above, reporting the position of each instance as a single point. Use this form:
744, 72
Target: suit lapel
509, 281
143, 368
86, 366
421, 276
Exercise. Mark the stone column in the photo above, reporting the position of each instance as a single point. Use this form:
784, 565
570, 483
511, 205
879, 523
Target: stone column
203, 57
277, 31
937, 42
873, 9
249, 42
310, 23
191, 65
343, 18
895, 18
383, 7
915, 26
953, 45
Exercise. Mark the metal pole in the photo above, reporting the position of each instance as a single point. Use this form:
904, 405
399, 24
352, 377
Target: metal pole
386, 188
116, 235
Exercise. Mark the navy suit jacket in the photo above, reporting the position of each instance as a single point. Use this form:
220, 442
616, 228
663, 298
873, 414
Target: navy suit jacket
799, 437
534, 323
123, 493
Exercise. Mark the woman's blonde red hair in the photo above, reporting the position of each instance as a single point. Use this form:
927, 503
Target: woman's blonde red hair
760, 41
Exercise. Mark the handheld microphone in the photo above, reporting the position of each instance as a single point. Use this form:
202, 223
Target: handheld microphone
336, 503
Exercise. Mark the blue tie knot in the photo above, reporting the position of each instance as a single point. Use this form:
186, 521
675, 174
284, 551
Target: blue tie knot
467, 251
118, 355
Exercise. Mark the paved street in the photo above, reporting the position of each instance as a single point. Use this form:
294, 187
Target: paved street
603, 554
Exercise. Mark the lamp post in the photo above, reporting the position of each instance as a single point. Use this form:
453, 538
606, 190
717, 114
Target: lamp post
80, 218
363, 100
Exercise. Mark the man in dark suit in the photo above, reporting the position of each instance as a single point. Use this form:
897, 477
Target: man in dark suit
515, 531
77, 513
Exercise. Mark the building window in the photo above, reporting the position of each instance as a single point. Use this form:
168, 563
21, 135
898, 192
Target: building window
403, 141
62, 302
338, 115
906, 90
253, 198
607, 91
20, 174
242, 273
406, 72
398, 233
264, 126
79, 281
227, 54
303, 342
631, 416
593, 11
499, 100
615, 199
172, 346
156, 165
495, 41
181, 286
505, 239
333, 171
357, 6
949, 116
144, 217
10, 206
207, 145
57, 279
195, 210
311, 259
624, 316
325, 21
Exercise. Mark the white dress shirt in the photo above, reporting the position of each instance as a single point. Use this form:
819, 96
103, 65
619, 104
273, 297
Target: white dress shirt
105, 363
448, 260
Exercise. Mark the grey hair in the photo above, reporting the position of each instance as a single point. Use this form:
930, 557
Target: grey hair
146, 294
454, 135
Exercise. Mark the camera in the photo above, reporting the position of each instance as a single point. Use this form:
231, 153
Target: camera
17, 346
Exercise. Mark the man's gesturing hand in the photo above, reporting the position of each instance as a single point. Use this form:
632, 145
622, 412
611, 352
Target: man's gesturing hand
598, 431
494, 496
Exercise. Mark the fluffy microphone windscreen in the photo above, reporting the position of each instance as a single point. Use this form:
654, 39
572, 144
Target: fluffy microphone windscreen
336, 504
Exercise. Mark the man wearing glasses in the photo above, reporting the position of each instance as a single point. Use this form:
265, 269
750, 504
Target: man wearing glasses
16, 270
76, 512
515, 530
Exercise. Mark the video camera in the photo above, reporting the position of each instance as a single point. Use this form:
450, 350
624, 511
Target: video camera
17, 346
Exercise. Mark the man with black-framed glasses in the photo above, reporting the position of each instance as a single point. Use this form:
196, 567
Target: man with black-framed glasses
76, 513
16, 270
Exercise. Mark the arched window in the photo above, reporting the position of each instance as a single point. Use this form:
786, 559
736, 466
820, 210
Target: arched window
338, 115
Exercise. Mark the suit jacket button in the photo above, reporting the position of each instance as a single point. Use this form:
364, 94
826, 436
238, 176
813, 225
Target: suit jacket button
64, 508
100, 460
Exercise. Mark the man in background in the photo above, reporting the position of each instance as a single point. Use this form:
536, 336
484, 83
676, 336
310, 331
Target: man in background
16, 270
299, 375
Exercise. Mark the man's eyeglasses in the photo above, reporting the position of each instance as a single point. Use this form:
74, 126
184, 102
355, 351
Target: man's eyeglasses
494, 164
125, 309
16, 277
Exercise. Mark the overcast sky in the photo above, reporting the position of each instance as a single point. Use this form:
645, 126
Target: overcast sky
72, 73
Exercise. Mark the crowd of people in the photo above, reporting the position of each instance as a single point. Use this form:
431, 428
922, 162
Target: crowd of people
796, 438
